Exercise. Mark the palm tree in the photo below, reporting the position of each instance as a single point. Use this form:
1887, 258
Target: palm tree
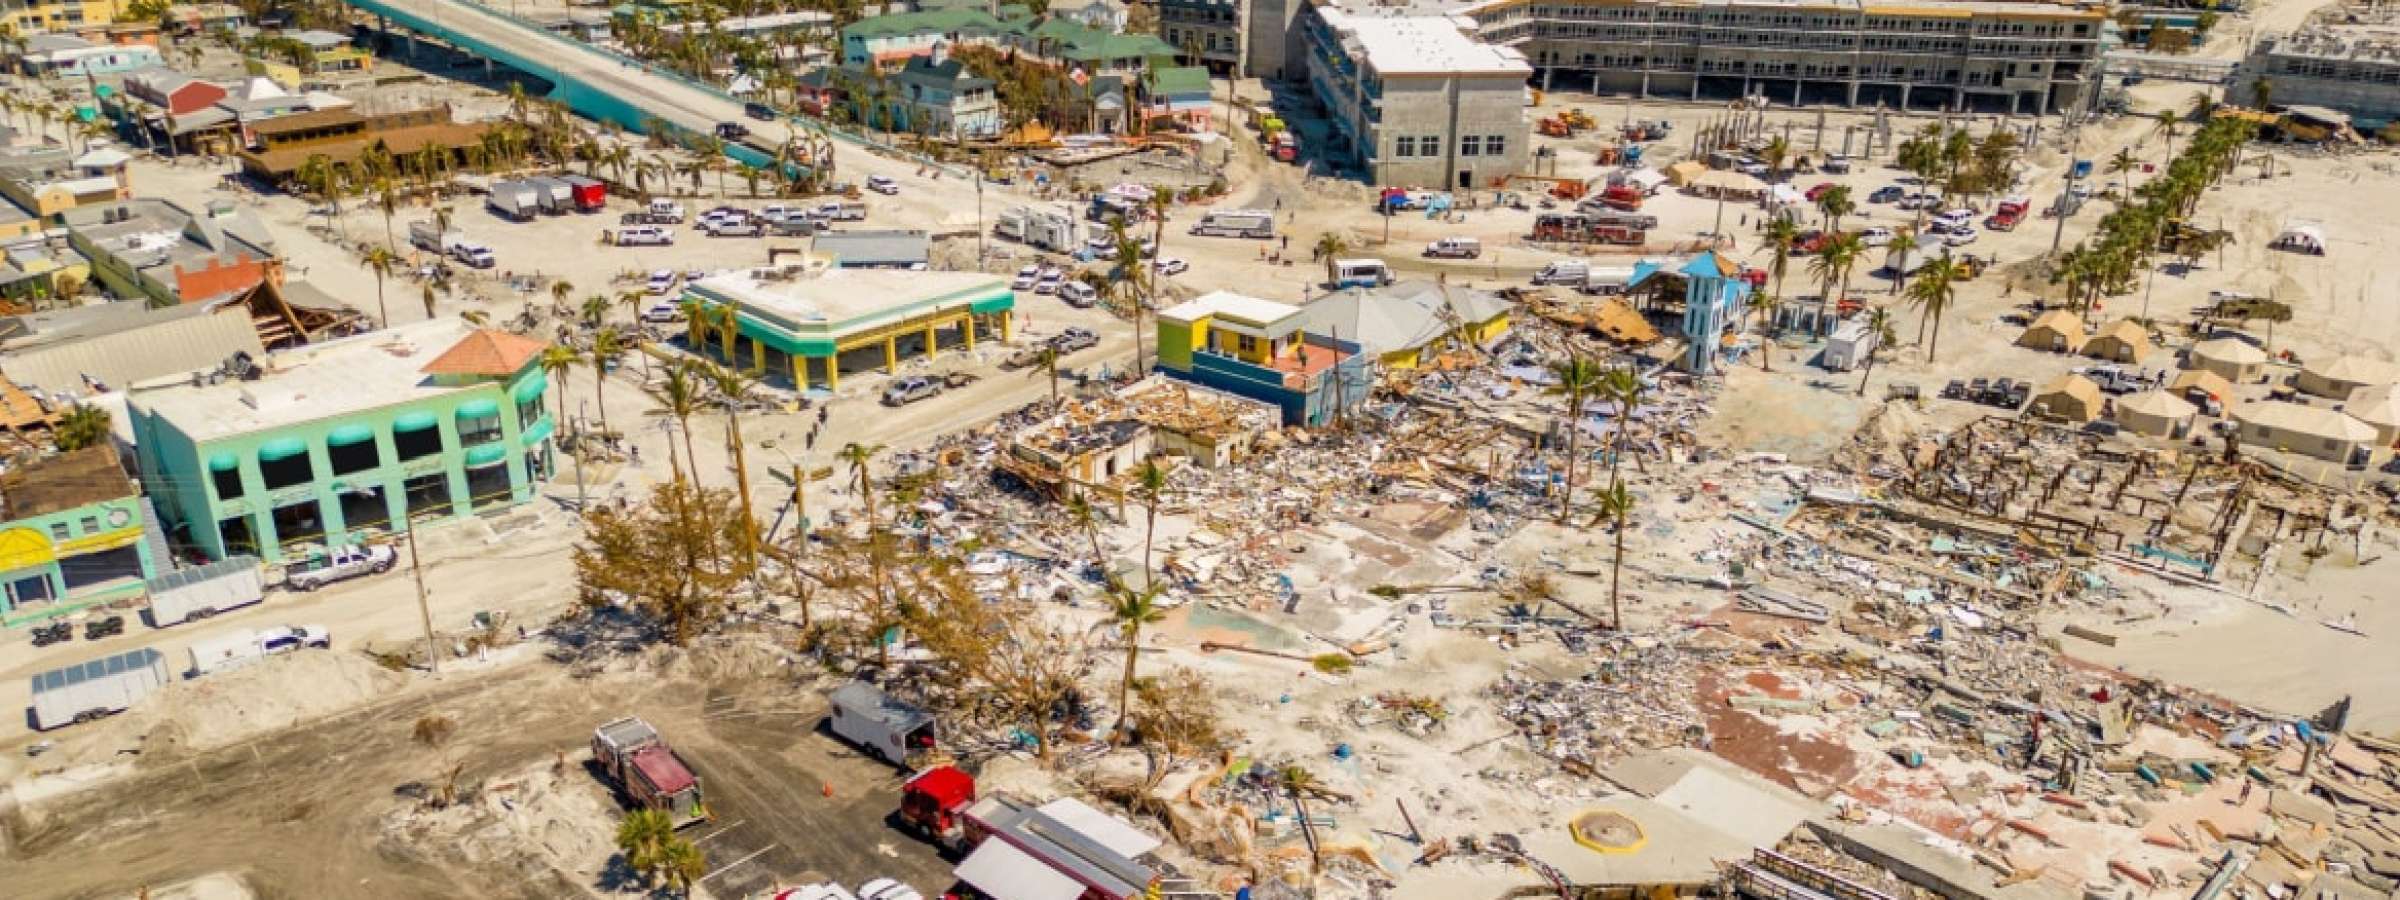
1616, 504
1777, 152
860, 457
1045, 362
2167, 121
595, 309
1932, 292
1879, 330
679, 398
557, 363
1150, 484
559, 291
643, 836
80, 425
733, 387
681, 865
388, 200
1579, 379
1296, 783
1896, 254
1135, 275
607, 346
1764, 305
1130, 610
381, 261
2263, 91
1623, 387
1836, 203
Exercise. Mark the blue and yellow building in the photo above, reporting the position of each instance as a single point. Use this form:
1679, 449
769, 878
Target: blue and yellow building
334, 443
73, 536
1262, 350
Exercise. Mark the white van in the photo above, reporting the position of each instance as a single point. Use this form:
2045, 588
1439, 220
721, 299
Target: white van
1572, 271
1455, 248
1360, 273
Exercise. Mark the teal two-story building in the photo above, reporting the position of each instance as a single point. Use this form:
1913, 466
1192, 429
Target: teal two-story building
333, 444
72, 535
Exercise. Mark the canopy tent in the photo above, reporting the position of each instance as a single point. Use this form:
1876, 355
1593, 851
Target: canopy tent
2124, 340
2204, 381
2314, 431
2156, 413
2072, 398
2236, 360
2309, 239
1727, 183
1786, 195
2339, 377
1684, 173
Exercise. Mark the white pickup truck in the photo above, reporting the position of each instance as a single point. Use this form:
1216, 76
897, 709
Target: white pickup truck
342, 564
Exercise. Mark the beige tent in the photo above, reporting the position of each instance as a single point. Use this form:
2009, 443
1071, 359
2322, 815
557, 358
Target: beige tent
2206, 382
2058, 331
2156, 413
2124, 340
2339, 377
2314, 431
2071, 398
2378, 407
1727, 183
1682, 174
2236, 360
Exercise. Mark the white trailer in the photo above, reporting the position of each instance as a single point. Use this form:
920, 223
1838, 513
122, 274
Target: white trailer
202, 591
90, 690
515, 200
555, 195
231, 651
1249, 223
885, 726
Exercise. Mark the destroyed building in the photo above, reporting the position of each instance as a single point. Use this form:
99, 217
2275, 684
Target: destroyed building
1095, 442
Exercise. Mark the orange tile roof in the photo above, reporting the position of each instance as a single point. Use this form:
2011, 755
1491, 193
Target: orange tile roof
487, 352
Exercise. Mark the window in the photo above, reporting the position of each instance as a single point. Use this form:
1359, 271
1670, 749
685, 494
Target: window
58, 531
529, 411
1404, 147
91, 524
228, 482
1247, 344
1469, 145
1495, 145
478, 430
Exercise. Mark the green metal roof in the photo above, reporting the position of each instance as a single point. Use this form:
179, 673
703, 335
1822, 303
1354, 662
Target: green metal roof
943, 21
1179, 80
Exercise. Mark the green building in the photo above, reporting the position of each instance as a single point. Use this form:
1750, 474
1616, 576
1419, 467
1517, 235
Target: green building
331, 444
72, 536
815, 325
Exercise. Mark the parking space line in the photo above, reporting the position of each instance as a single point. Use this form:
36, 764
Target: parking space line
722, 869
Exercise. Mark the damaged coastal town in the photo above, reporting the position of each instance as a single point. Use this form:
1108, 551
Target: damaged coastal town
1199, 450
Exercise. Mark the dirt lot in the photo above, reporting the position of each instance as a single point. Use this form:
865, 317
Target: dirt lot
305, 810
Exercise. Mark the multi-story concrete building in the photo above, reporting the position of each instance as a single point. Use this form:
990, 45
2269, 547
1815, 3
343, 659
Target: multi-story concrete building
2026, 56
331, 444
1209, 32
2353, 69
1416, 100
1271, 39
43, 16
72, 534
164, 254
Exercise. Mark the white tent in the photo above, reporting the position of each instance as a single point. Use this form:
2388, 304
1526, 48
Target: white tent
1786, 195
2308, 239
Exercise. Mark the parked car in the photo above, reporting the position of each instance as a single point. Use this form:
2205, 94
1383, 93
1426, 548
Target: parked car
286, 638
882, 185
1025, 278
759, 111
101, 628
1874, 236
1172, 266
341, 564
1890, 193
1819, 190
1074, 339
644, 236
661, 281
1078, 294
1959, 238
910, 390
663, 311
732, 228
1048, 283
887, 889
732, 131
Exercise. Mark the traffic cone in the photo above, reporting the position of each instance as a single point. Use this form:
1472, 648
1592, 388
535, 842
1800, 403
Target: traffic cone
829, 789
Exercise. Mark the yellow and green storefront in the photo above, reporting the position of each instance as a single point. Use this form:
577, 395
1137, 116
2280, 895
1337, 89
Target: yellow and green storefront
811, 330
73, 538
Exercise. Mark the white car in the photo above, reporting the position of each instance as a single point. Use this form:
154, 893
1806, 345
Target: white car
663, 311
1172, 266
1874, 236
1078, 294
287, 638
887, 889
882, 185
1956, 217
1101, 244
1959, 238
661, 281
1048, 284
1025, 278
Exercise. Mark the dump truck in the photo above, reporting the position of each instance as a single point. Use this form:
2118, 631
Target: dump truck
90, 690
199, 592
652, 776
887, 727
1624, 197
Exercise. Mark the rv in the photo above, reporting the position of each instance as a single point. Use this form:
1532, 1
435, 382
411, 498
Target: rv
1248, 223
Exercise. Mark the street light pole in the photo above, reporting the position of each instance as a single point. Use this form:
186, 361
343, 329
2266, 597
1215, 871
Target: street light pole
416, 569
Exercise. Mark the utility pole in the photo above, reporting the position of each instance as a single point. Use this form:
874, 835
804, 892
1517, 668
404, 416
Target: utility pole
433, 653
2074, 143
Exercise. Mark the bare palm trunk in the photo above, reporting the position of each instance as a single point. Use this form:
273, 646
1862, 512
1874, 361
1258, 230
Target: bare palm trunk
1616, 580
1133, 647
1574, 431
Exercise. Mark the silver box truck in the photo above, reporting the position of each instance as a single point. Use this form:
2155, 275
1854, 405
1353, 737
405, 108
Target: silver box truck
101, 687
515, 200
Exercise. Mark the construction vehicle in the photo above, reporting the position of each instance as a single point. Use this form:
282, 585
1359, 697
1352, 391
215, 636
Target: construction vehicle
633, 756
930, 803
1576, 119
1647, 131
1551, 126
1581, 228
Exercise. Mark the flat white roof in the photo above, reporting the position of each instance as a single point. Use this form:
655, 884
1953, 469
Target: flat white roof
1423, 45
1230, 305
840, 295
321, 381
1003, 871
1119, 836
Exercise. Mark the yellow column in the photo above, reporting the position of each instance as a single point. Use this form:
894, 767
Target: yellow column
891, 354
758, 357
833, 370
1008, 325
966, 324
930, 343
799, 372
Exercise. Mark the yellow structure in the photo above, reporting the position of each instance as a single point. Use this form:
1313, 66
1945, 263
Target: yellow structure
782, 325
1409, 324
45, 16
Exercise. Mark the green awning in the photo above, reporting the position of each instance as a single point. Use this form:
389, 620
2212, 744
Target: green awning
349, 434
1002, 303
478, 409
223, 462
282, 448
535, 434
530, 387
486, 454
415, 421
